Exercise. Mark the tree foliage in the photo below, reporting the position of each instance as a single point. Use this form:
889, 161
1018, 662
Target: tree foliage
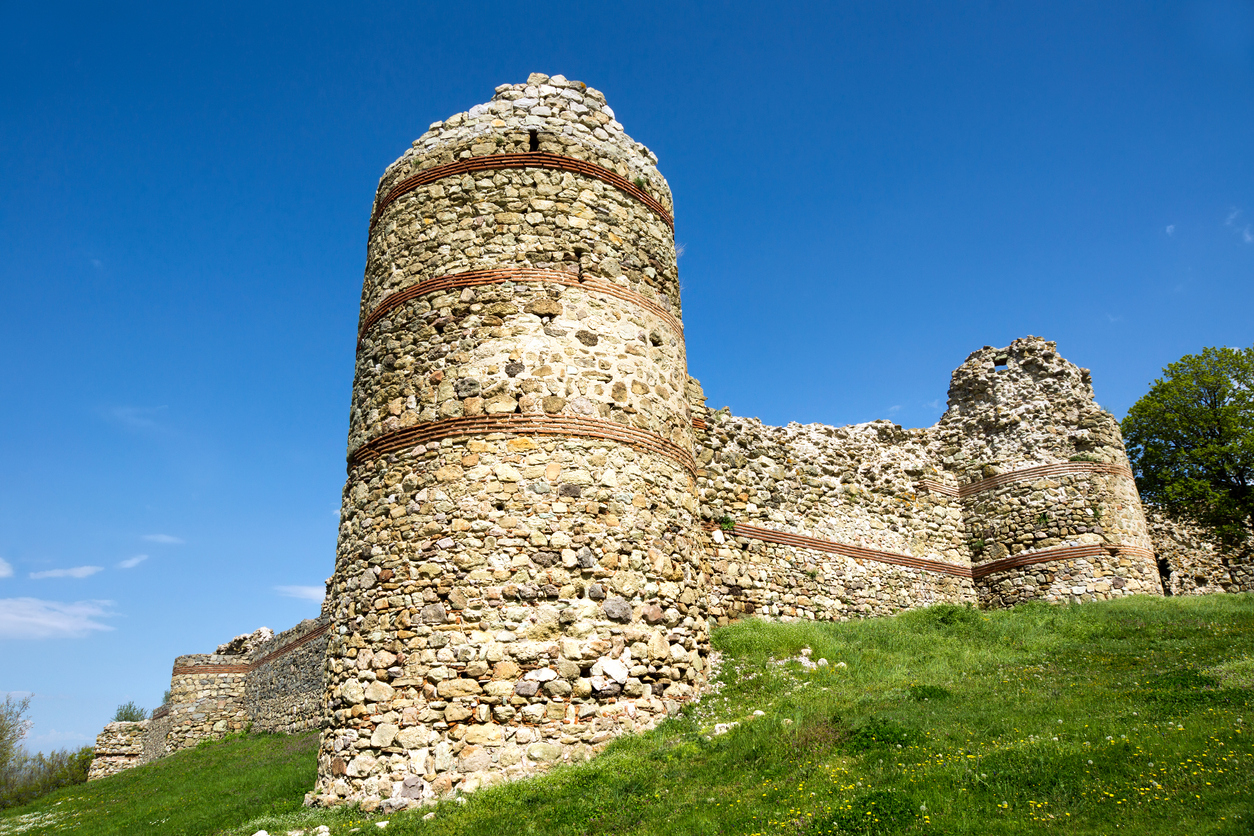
130, 712
23, 776
1191, 440
13, 727
28, 777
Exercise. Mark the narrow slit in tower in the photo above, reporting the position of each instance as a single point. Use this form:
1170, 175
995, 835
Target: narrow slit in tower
535, 140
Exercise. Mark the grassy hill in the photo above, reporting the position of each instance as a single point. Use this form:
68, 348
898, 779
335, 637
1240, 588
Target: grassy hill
1129, 715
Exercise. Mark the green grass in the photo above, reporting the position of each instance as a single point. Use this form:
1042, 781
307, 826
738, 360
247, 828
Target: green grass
208, 789
1123, 716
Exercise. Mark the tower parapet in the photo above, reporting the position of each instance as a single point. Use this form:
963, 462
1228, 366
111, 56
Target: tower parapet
518, 577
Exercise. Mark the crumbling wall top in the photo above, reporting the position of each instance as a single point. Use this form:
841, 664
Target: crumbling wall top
569, 117
1024, 405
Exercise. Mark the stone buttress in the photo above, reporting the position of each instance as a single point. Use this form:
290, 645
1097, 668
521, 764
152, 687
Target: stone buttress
519, 572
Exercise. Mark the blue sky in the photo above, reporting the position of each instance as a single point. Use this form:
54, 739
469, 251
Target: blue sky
865, 193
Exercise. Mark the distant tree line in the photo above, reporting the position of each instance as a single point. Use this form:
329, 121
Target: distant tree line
25, 777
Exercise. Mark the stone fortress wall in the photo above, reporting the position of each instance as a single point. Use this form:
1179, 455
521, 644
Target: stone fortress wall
259, 682
1192, 562
542, 519
1022, 491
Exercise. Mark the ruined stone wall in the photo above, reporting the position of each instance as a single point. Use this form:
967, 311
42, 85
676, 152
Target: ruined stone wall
119, 746
261, 682
1051, 508
156, 735
1192, 561
206, 698
268, 683
1022, 491
284, 687
825, 522
519, 570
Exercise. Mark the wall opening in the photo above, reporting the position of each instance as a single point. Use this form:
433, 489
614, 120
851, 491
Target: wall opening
535, 140
1164, 575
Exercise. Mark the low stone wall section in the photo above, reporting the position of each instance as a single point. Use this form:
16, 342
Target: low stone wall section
283, 691
752, 576
1191, 561
1083, 573
119, 747
275, 684
206, 698
157, 734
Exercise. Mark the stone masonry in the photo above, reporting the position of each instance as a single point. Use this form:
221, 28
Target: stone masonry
258, 682
542, 519
520, 569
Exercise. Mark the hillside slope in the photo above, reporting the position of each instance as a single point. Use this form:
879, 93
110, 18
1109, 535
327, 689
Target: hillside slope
1130, 715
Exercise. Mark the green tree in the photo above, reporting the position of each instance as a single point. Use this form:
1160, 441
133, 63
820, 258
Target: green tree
13, 727
129, 711
1191, 440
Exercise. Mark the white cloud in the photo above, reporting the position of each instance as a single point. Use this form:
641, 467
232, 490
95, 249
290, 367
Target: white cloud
132, 562
136, 417
934, 404
32, 618
308, 593
6, 569
1171, 229
166, 539
1246, 230
76, 572
894, 409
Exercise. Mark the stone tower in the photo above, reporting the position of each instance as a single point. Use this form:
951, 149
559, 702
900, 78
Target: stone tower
1050, 507
519, 571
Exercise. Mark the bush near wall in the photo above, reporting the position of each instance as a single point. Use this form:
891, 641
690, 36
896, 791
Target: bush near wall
27, 777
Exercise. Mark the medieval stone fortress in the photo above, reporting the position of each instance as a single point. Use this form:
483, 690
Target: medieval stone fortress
542, 520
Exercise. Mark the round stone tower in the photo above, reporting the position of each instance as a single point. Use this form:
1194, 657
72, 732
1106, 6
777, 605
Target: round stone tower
1051, 509
518, 577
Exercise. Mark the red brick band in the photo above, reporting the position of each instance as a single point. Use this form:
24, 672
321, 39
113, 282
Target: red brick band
801, 541
288, 648
180, 670
562, 425
476, 278
1044, 471
1005, 564
1016, 561
536, 159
